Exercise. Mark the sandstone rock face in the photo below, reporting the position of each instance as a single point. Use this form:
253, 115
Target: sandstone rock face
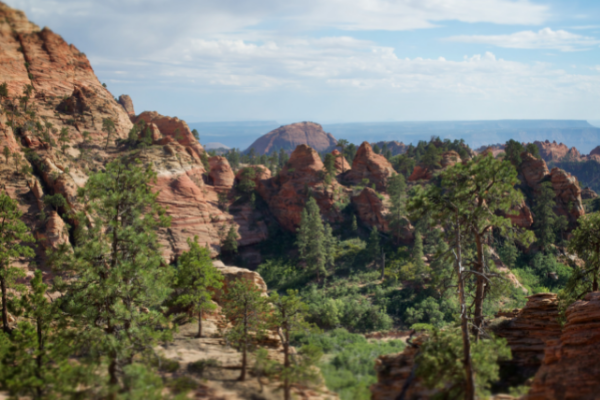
420, 173
533, 170
588, 193
595, 151
221, 173
450, 159
341, 164
393, 146
301, 177
531, 328
368, 165
288, 137
570, 369
371, 209
550, 151
55, 233
568, 193
393, 370
175, 129
523, 219
493, 150
231, 274
127, 103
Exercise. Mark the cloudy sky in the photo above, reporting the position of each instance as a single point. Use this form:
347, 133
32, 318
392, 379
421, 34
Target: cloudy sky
340, 60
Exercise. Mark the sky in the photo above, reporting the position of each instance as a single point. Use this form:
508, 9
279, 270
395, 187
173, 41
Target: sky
340, 60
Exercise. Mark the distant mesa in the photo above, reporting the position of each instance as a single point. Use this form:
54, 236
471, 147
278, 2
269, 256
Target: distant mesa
216, 146
288, 137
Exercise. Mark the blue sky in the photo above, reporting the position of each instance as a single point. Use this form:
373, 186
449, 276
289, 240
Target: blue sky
340, 60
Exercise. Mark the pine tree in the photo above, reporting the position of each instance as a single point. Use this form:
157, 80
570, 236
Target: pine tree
36, 358
417, 254
108, 126
230, 244
315, 242
195, 275
196, 134
247, 310
121, 278
343, 143
13, 235
585, 242
64, 139
546, 222
397, 192
288, 318
373, 247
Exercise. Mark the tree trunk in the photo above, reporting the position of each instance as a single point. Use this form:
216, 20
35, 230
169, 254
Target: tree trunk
4, 305
382, 264
39, 359
199, 335
286, 364
467, 363
479, 290
112, 373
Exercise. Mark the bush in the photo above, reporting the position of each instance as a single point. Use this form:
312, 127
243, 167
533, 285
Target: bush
198, 367
182, 384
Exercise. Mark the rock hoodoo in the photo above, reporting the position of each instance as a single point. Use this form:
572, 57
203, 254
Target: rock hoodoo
341, 164
221, 173
368, 165
127, 104
288, 137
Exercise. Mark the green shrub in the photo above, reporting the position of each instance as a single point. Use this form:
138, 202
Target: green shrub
198, 367
182, 384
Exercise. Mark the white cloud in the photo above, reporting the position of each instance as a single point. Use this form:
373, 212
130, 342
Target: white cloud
543, 39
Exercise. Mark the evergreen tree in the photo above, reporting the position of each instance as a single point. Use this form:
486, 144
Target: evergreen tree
417, 254
329, 167
342, 144
13, 235
354, 226
513, 150
585, 242
195, 275
55, 200
397, 192
121, 278
247, 310
230, 244
376, 149
247, 184
35, 362
546, 222
108, 126
373, 247
288, 318
533, 150
283, 158
315, 241
64, 139
196, 134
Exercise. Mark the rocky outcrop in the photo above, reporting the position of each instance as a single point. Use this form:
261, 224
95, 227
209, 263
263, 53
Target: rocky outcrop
449, 159
55, 233
587, 194
595, 151
301, 177
231, 274
521, 216
221, 173
393, 370
568, 194
370, 166
372, 209
127, 103
172, 129
341, 164
288, 137
528, 331
551, 151
393, 146
420, 173
570, 369
533, 170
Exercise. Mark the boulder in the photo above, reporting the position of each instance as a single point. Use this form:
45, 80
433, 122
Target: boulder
450, 158
231, 274
570, 368
221, 173
533, 170
568, 194
368, 165
55, 234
